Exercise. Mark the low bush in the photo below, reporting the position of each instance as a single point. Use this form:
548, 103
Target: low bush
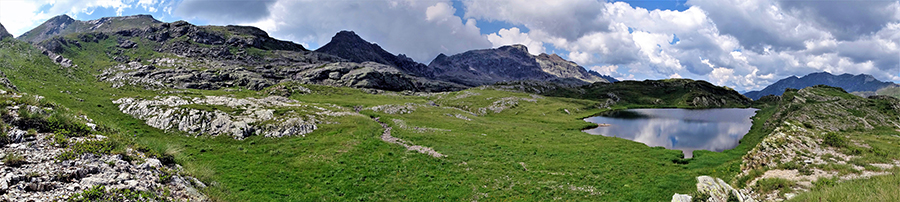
14, 160
768, 185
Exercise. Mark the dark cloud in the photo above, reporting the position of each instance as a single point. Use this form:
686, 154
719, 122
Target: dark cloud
845, 19
227, 11
758, 26
569, 19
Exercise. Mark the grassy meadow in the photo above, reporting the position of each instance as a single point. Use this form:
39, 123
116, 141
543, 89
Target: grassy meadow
533, 150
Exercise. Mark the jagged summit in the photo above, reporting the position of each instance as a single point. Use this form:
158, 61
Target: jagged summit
63, 24
3, 33
849, 82
507, 63
348, 45
515, 47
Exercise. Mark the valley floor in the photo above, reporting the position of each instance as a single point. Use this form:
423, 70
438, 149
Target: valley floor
480, 144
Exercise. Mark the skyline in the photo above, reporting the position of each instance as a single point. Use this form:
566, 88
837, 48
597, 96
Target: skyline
745, 45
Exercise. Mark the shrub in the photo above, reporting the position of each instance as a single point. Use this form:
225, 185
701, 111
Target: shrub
60, 140
767, 185
14, 160
753, 174
732, 197
834, 140
699, 196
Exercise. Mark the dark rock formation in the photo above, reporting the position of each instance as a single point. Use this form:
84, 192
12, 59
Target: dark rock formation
348, 45
850, 83
3, 33
507, 63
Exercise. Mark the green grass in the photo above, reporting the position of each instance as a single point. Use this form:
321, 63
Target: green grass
890, 91
349, 161
877, 188
768, 185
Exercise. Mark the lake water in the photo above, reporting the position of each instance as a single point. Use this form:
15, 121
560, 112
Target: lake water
682, 129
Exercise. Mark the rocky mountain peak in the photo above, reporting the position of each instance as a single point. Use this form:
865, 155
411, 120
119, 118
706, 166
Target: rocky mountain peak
515, 47
850, 83
348, 45
348, 37
60, 19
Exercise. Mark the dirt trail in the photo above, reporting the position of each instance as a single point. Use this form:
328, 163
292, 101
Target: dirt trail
386, 136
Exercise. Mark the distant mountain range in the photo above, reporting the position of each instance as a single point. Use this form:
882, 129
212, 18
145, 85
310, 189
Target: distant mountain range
249, 57
860, 84
63, 24
471, 68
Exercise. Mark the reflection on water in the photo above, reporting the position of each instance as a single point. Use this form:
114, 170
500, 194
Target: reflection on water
682, 129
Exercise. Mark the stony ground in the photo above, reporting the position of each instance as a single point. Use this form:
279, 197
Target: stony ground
41, 177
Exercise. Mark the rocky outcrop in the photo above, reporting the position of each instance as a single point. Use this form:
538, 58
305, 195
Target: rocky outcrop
714, 190
507, 63
39, 166
850, 83
239, 118
3, 33
41, 177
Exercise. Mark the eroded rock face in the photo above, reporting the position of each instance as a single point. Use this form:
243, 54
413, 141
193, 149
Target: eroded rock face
272, 116
716, 189
507, 63
32, 169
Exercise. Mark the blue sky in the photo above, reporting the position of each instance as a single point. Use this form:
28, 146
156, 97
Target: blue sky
742, 44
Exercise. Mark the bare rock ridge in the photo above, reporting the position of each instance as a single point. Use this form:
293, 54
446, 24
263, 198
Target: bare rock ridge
63, 24
3, 33
215, 57
507, 63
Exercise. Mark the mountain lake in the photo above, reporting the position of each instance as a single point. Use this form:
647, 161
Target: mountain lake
682, 129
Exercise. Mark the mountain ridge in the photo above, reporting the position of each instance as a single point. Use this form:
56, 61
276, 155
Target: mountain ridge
348, 45
849, 82
506, 63
63, 24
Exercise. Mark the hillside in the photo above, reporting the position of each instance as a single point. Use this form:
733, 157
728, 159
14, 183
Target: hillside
681, 93
63, 24
179, 112
184, 56
816, 139
851, 83
161, 90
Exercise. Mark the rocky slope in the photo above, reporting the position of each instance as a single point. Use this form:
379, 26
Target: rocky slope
819, 135
348, 45
3, 33
182, 55
63, 24
850, 83
507, 63
78, 163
